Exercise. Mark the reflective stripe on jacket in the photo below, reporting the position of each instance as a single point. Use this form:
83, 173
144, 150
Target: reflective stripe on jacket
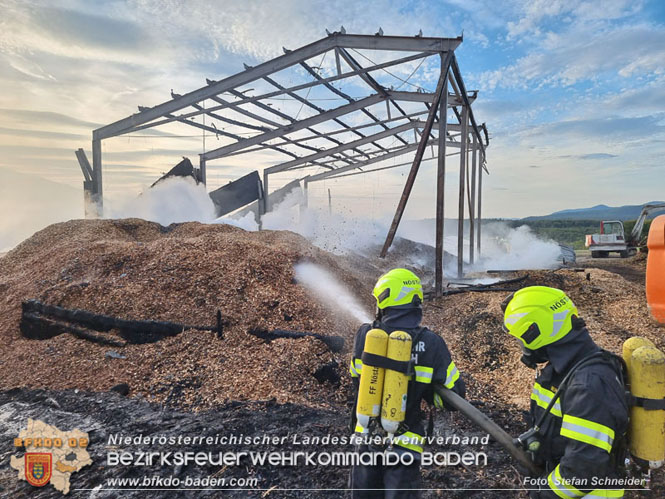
580, 432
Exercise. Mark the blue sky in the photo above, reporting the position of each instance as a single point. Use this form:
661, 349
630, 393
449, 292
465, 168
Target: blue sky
573, 92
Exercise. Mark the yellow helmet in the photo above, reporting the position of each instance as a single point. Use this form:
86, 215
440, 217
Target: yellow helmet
538, 315
398, 287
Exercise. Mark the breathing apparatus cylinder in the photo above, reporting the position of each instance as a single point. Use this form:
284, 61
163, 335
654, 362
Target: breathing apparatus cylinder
632, 344
395, 384
646, 373
371, 379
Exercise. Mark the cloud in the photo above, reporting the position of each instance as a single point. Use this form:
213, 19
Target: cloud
27, 29
622, 128
78, 28
577, 55
536, 15
27, 67
597, 155
650, 97
41, 134
255, 29
581, 77
590, 156
44, 118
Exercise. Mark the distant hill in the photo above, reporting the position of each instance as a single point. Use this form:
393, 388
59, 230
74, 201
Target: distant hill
598, 212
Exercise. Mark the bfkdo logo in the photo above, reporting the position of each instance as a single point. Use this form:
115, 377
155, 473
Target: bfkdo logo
38, 466
51, 455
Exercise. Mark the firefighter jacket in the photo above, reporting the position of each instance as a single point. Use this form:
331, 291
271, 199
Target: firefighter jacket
584, 432
432, 364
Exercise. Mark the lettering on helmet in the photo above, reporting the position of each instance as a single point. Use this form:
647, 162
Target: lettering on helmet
411, 282
557, 305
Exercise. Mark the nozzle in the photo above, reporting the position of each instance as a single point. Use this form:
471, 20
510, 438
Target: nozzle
391, 439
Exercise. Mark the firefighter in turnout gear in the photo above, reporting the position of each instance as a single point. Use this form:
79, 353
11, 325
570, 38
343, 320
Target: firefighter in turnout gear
412, 360
579, 412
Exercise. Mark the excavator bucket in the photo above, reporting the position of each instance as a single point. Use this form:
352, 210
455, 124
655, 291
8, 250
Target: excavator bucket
656, 269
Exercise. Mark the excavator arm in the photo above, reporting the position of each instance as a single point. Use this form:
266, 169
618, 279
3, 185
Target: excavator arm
636, 233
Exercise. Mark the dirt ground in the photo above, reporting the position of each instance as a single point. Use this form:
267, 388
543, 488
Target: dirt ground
196, 382
632, 269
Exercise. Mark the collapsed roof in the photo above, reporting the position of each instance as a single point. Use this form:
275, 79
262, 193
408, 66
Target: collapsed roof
340, 106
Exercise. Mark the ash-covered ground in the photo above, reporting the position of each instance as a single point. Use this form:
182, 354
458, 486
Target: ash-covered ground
103, 415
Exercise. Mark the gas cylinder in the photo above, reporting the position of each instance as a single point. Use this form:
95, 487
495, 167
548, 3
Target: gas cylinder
371, 379
646, 434
396, 384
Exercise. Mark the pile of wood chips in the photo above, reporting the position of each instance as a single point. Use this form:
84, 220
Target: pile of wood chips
184, 273
135, 269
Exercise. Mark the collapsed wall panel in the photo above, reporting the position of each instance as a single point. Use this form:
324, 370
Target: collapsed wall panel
274, 198
183, 169
237, 194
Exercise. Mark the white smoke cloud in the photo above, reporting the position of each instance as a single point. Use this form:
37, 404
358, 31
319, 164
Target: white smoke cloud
505, 248
177, 200
329, 231
171, 201
502, 247
29, 203
180, 200
174, 200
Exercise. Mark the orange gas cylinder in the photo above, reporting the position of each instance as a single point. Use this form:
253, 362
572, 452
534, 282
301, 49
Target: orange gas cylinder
656, 269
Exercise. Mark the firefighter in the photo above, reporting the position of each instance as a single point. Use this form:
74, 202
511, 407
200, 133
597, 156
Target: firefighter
399, 298
579, 440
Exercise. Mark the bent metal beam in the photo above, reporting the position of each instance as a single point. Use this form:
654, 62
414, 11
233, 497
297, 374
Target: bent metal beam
340, 139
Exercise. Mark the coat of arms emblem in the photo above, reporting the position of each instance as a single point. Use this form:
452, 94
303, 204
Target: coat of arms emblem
38, 468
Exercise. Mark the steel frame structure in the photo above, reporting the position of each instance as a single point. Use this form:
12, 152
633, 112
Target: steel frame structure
266, 128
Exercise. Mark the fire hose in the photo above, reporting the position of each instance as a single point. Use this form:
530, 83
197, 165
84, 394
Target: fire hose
484, 422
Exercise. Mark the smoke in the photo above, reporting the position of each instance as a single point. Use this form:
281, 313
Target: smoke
329, 291
502, 247
329, 231
505, 248
181, 199
29, 203
172, 200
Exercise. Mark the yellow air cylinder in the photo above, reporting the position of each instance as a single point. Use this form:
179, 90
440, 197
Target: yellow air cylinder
647, 428
632, 344
395, 384
371, 379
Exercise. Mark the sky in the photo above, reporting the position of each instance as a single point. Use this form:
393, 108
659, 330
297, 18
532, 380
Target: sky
573, 94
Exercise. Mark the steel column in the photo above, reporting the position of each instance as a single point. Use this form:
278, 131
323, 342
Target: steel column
472, 211
263, 208
202, 170
418, 157
97, 186
460, 213
441, 181
480, 197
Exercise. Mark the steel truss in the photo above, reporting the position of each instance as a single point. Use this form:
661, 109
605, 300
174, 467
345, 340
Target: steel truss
330, 138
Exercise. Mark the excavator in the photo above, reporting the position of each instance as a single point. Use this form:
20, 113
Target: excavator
612, 237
